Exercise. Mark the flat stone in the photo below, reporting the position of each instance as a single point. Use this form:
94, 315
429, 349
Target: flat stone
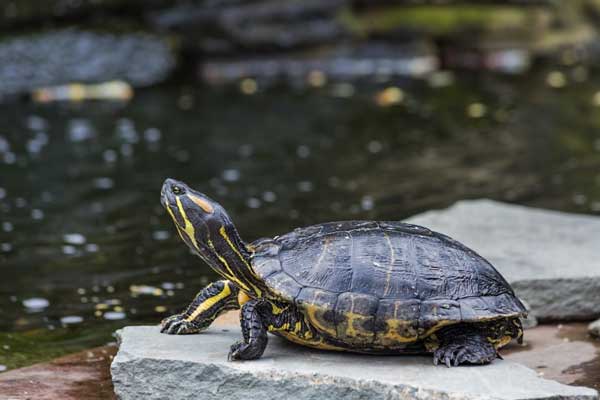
151, 365
551, 258
594, 328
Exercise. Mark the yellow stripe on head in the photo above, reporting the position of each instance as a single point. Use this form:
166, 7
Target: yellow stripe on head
188, 228
203, 204
176, 223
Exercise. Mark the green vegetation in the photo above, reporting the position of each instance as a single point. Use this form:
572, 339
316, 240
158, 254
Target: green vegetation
441, 19
19, 349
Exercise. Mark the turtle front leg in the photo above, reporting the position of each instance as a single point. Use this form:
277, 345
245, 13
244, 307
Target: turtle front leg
214, 299
253, 319
463, 345
260, 316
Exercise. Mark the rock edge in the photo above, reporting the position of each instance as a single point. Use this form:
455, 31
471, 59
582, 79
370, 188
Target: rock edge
152, 366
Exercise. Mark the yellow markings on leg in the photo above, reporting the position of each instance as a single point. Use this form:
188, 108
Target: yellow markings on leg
243, 298
498, 343
296, 334
517, 323
285, 327
276, 309
208, 303
297, 328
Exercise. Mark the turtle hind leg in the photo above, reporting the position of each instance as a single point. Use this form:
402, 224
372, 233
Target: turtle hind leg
464, 345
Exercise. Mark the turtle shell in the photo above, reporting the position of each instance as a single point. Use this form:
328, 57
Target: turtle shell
382, 283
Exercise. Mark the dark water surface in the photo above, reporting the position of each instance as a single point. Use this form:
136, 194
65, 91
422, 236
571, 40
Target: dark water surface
85, 246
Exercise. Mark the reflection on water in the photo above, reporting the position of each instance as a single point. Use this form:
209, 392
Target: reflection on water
85, 246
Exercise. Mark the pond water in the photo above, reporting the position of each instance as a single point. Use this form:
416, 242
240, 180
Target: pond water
85, 246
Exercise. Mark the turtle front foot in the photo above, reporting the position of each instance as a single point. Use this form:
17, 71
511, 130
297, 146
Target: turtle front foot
253, 331
178, 325
465, 350
245, 351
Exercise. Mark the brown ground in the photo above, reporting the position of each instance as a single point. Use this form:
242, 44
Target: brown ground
79, 376
564, 353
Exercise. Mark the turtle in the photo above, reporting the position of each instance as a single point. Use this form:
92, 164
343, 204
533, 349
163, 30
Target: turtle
378, 287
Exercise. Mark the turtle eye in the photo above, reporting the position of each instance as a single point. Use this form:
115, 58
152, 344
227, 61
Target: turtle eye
176, 189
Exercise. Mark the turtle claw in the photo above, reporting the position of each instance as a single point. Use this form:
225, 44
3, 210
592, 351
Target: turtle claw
234, 351
178, 325
459, 356
243, 351
448, 362
455, 354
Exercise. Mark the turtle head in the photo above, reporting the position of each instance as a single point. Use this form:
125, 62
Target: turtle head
207, 229
197, 217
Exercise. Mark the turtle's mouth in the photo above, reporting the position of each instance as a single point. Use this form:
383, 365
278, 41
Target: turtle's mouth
171, 203
167, 197
163, 197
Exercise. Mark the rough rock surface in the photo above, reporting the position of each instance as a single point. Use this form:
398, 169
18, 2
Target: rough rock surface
58, 57
150, 365
594, 329
551, 258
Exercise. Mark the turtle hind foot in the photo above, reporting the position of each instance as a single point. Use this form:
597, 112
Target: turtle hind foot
465, 349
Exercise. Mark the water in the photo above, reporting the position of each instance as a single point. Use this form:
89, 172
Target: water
85, 246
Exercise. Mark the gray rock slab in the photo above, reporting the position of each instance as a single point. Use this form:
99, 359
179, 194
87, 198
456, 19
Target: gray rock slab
551, 258
594, 329
151, 365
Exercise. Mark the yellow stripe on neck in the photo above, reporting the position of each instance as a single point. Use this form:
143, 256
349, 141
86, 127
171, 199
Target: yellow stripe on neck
236, 251
223, 261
